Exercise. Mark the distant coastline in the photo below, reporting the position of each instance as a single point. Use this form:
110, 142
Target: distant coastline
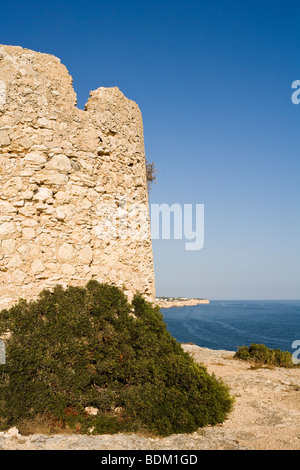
167, 302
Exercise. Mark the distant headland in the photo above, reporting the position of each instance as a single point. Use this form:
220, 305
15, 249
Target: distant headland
167, 302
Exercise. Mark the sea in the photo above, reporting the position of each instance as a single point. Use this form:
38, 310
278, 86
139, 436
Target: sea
230, 324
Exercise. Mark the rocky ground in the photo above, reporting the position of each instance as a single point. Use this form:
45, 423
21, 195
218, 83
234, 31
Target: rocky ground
266, 415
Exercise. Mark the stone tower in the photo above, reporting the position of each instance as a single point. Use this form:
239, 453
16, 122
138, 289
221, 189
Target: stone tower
73, 187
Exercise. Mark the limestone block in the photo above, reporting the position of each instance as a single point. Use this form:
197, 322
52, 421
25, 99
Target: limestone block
43, 194
12, 187
7, 208
52, 178
68, 269
7, 230
4, 138
35, 160
15, 261
65, 252
8, 246
28, 233
85, 255
37, 266
46, 239
18, 277
62, 197
60, 163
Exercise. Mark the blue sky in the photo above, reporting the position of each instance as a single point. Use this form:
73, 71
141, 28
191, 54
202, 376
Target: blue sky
213, 81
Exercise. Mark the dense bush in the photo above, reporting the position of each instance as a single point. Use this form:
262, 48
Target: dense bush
88, 347
260, 354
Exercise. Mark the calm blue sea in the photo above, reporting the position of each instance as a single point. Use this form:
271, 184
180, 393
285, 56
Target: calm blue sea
230, 324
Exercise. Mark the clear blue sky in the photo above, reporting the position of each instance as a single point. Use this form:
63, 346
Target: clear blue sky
213, 81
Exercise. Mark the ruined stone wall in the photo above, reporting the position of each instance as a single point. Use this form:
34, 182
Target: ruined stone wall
63, 173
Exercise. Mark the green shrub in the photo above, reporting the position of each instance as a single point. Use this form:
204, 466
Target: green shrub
262, 355
88, 347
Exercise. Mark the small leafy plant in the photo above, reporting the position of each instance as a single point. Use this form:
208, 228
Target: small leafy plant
261, 355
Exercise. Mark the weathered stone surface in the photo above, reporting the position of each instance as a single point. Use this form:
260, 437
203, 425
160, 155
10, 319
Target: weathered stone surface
64, 173
34, 159
7, 230
60, 163
4, 138
6, 208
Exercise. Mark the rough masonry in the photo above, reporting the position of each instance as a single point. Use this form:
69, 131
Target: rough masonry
73, 187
